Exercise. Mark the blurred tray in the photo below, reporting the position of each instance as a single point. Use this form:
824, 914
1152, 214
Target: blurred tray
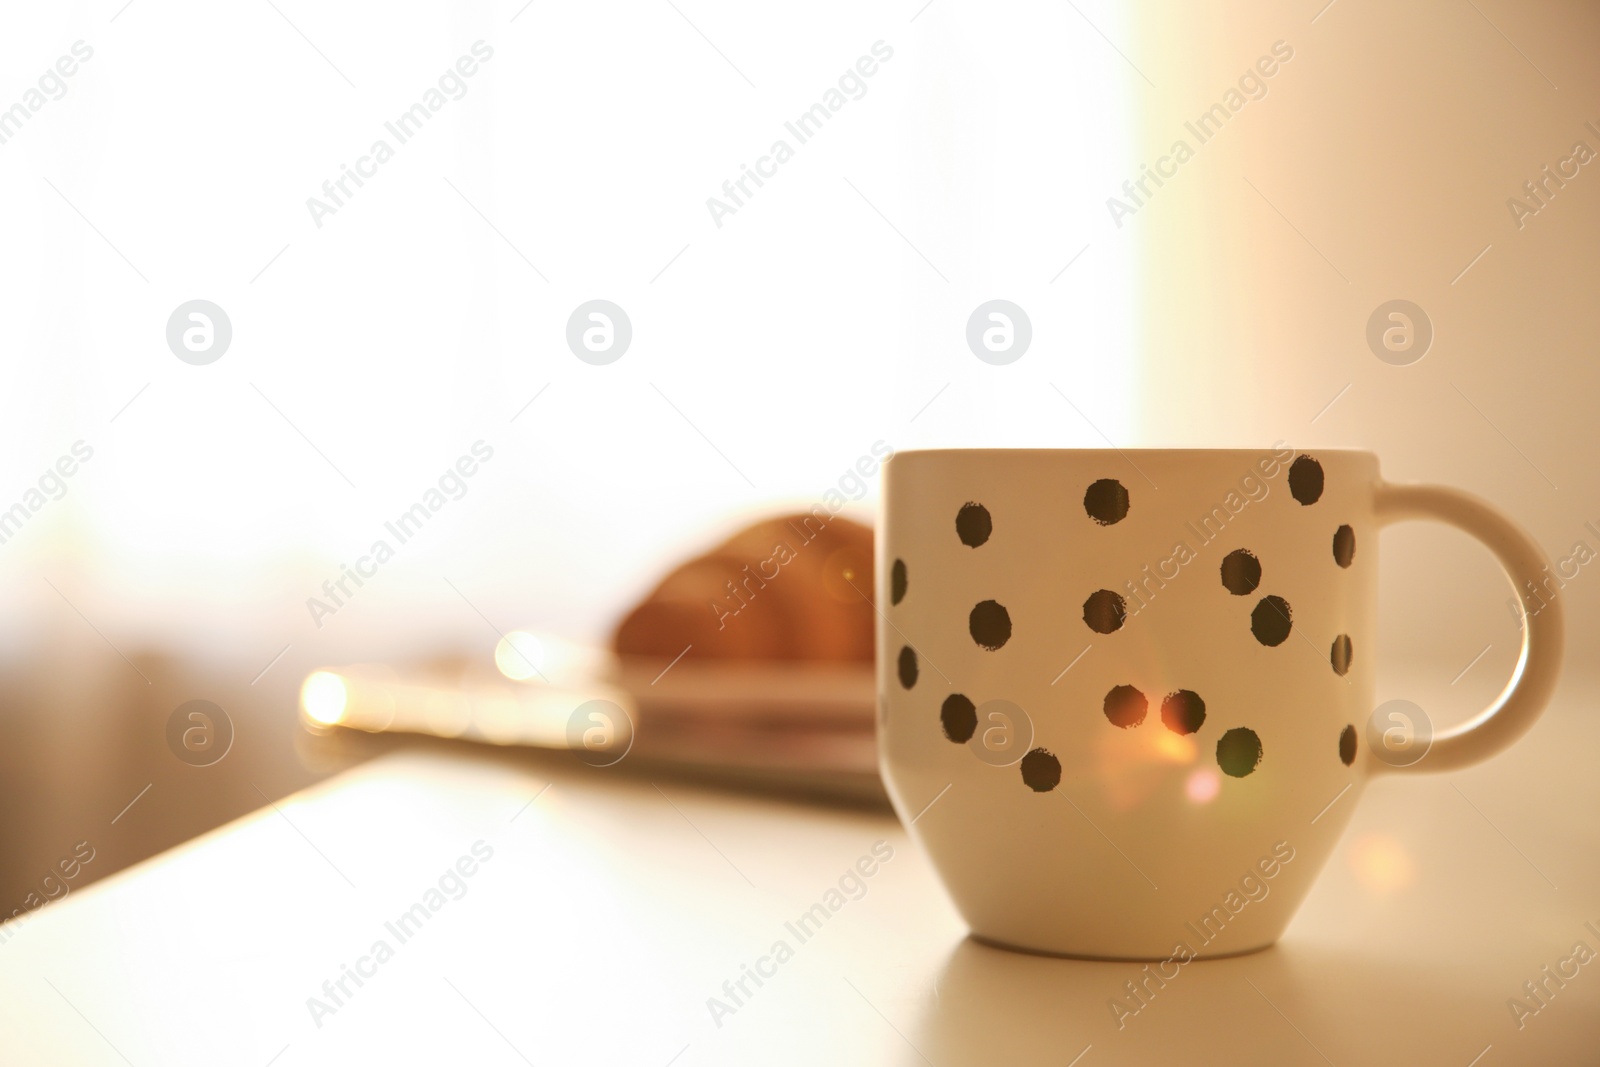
773, 723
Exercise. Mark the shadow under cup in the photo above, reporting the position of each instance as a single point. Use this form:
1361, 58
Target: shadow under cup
1121, 694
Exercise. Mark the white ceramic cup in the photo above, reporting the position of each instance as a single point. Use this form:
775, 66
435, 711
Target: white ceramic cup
1124, 697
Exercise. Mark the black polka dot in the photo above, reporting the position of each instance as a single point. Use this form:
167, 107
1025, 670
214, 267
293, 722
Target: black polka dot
1271, 620
897, 582
973, 524
1238, 752
1347, 745
1105, 612
1183, 711
908, 667
1106, 501
1339, 656
959, 717
1241, 572
990, 624
1305, 479
1125, 706
1041, 771
1344, 546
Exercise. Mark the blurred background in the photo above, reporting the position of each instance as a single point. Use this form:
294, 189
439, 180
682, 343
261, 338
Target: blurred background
379, 337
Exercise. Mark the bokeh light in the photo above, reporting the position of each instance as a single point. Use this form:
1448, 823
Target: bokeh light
323, 697
1203, 785
518, 655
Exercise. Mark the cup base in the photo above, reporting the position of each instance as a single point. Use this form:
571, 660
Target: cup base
1102, 957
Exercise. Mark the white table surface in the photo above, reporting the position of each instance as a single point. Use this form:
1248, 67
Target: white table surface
614, 907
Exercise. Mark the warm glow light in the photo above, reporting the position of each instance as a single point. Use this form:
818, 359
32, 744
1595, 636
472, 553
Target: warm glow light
323, 697
518, 655
1175, 747
1203, 785
1134, 765
1382, 865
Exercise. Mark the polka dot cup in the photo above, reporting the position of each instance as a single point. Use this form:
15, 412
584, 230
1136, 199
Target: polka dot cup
1123, 696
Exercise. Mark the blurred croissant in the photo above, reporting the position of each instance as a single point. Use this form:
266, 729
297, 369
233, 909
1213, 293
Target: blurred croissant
796, 587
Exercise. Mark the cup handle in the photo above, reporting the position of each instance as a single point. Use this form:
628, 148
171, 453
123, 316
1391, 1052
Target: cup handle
1543, 632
